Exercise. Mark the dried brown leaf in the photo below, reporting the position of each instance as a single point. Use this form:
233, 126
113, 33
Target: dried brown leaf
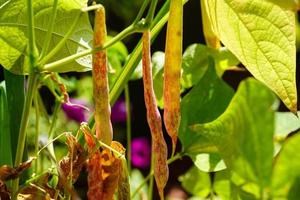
8, 173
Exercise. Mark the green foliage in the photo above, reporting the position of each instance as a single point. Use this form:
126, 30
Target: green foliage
286, 123
288, 4
204, 103
5, 139
196, 182
15, 89
286, 174
13, 20
238, 136
241, 148
195, 62
262, 36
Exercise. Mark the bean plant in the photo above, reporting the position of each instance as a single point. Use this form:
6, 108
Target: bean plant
241, 145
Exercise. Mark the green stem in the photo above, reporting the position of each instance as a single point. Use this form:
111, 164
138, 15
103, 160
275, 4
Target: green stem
37, 130
151, 11
128, 127
54, 66
52, 126
171, 160
141, 11
90, 8
50, 30
32, 83
61, 42
32, 51
150, 191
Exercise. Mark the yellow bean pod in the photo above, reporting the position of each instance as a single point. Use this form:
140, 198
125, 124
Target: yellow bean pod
172, 71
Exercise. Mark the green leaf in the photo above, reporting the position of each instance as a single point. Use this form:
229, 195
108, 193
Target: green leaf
228, 186
196, 182
13, 20
287, 4
204, 103
222, 185
209, 162
158, 59
195, 62
5, 144
136, 179
243, 134
286, 122
286, 168
262, 37
15, 92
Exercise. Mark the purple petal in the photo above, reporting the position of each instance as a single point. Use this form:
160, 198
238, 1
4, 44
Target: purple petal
140, 152
76, 110
118, 111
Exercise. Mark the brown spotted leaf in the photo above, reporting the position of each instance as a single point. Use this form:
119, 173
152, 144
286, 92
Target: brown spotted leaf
39, 189
103, 169
123, 181
73, 161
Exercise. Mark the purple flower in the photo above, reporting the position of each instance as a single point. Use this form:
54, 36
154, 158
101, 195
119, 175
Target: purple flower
76, 110
118, 111
140, 152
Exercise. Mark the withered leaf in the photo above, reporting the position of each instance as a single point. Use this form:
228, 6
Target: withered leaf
74, 161
8, 173
39, 189
4, 192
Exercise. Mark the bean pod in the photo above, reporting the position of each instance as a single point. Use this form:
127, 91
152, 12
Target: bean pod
172, 71
159, 147
104, 130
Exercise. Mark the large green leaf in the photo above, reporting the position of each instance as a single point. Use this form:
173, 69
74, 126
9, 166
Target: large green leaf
15, 92
195, 62
243, 134
286, 171
13, 32
285, 123
204, 103
196, 182
262, 36
287, 4
5, 144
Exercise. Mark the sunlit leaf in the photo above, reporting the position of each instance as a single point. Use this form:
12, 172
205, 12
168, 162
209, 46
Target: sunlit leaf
13, 20
204, 103
287, 4
262, 36
243, 134
136, 179
286, 122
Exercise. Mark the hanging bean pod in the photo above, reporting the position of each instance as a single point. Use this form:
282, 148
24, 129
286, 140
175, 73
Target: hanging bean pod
159, 147
172, 71
104, 130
